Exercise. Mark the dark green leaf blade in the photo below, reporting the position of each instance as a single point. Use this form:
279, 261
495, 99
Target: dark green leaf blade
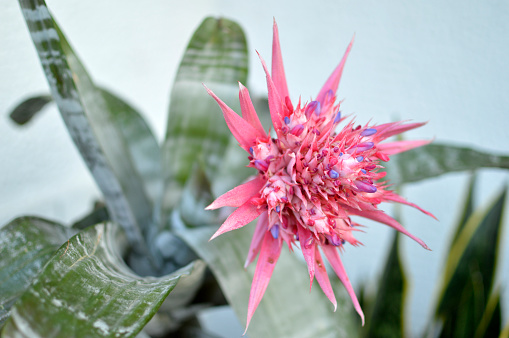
87, 290
84, 111
27, 109
26, 243
386, 318
288, 308
197, 133
437, 159
470, 271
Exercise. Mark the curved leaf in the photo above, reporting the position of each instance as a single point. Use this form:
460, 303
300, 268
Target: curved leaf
87, 290
288, 308
386, 319
87, 116
26, 243
470, 271
196, 132
27, 109
437, 159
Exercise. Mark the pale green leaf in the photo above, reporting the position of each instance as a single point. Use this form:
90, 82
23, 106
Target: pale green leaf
437, 159
86, 290
26, 244
197, 133
288, 308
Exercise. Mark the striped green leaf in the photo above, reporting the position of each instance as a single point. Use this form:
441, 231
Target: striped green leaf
437, 159
26, 243
470, 272
197, 133
87, 115
86, 290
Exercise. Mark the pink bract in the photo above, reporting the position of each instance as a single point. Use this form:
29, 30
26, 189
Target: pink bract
310, 180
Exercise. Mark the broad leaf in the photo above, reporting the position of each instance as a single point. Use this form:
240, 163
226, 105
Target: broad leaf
87, 116
288, 308
26, 244
468, 209
87, 290
24, 111
196, 132
437, 159
470, 271
386, 318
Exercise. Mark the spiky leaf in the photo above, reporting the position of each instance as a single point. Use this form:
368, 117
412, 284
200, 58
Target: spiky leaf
386, 318
470, 271
87, 290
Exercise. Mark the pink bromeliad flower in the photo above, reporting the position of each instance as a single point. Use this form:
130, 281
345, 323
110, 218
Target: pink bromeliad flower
310, 180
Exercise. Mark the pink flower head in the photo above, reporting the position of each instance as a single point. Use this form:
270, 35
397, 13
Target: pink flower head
310, 179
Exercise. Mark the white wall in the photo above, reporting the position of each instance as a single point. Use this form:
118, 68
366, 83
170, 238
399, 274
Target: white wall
442, 62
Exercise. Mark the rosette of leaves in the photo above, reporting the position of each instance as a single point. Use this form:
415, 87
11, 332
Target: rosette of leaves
130, 260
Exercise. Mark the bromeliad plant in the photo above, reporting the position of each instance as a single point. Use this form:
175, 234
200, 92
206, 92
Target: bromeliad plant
58, 280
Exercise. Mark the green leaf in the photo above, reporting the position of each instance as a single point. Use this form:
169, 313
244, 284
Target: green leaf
470, 271
386, 318
491, 322
437, 159
26, 243
468, 209
27, 109
88, 118
86, 290
288, 308
197, 133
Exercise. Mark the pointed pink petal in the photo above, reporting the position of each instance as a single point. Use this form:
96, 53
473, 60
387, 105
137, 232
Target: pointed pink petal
242, 131
278, 70
256, 242
335, 261
396, 198
323, 278
390, 129
246, 213
333, 80
397, 147
238, 195
275, 104
248, 111
269, 254
308, 251
380, 216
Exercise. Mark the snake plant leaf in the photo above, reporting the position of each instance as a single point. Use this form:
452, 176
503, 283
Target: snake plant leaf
26, 243
196, 131
386, 318
491, 322
470, 271
468, 208
27, 109
437, 159
86, 290
87, 116
288, 308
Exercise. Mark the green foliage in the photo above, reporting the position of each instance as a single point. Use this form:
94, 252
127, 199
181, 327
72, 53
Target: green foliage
464, 305
87, 290
83, 287
288, 308
385, 318
26, 243
437, 159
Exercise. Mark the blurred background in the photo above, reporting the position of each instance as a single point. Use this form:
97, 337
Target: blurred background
442, 62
